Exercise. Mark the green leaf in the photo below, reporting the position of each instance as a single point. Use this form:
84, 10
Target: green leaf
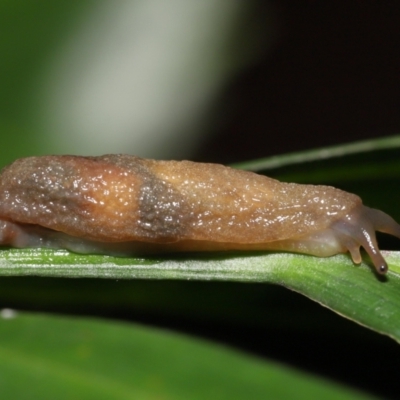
335, 282
51, 357
325, 153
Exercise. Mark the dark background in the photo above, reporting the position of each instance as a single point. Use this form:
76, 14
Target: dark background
332, 76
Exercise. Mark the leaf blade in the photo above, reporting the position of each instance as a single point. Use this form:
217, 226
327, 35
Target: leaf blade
67, 357
335, 282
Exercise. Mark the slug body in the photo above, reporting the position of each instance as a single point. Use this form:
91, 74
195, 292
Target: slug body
121, 205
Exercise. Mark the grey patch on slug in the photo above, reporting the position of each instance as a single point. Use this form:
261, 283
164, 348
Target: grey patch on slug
163, 213
30, 188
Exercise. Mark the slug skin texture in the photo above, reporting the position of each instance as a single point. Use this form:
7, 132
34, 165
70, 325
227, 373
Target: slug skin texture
124, 205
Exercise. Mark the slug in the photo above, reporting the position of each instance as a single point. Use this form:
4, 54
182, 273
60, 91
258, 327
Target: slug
124, 205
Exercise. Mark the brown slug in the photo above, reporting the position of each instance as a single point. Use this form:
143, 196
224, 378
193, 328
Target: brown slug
121, 205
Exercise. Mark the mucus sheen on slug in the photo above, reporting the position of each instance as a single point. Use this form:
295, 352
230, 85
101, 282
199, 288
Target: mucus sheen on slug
123, 205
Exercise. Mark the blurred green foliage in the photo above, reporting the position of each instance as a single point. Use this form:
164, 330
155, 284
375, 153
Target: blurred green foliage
30, 33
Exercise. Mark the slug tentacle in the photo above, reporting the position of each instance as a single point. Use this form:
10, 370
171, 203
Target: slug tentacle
361, 226
382, 222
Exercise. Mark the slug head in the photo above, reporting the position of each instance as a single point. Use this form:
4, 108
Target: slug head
358, 229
